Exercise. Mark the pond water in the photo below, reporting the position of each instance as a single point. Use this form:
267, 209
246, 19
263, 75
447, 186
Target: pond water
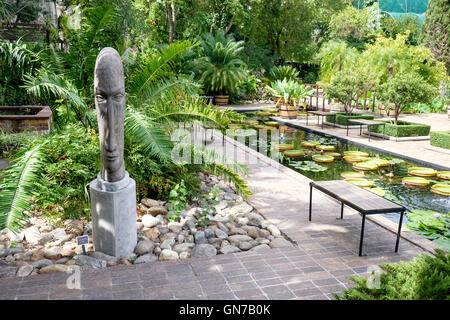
388, 178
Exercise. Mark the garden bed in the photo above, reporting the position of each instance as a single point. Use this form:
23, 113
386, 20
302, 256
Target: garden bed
342, 118
25, 118
403, 129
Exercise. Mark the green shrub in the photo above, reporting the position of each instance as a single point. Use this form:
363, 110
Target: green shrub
403, 129
440, 139
342, 118
424, 278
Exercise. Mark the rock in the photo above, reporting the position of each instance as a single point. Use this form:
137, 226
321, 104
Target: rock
9, 251
54, 268
150, 221
45, 237
22, 255
221, 234
241, 209
203, 250
184, 255
42, 263
167, 254
9, 258
103, 256
238, 238
62, 260
279, 243
222, 227
169, 235
253, 232
154, 211
256, 218
32, 235
209, 233
183, 247
234, 230
273, 230
60, 234
24, 270
144, 246
264, 233
167, 244
7, 272
17, 237
74, 227
52, 253
146, 258
247, 245
36, 256
180, 238
200, 237
152, 233
90, 262
260, 247
263, 241
229, 249
150, 202
241, 221
189, 239
175, 226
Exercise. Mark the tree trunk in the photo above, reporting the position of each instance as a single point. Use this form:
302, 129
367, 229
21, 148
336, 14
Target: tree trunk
228, 27
172, 21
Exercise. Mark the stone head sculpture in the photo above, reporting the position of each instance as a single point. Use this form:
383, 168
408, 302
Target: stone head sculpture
110, 101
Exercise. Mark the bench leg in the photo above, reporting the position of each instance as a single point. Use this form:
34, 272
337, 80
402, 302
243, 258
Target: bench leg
310, 202
399, 231
342, 212
362, 234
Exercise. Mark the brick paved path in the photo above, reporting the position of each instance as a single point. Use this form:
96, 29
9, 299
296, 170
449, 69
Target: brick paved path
325, 256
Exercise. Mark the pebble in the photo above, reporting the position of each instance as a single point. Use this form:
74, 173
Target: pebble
24, 270
200, 237
203, 250
54, 268
167, 254
150, 221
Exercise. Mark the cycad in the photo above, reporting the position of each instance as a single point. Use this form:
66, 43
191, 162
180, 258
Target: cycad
282, 72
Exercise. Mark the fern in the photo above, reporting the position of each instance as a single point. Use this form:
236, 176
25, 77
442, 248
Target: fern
16, 187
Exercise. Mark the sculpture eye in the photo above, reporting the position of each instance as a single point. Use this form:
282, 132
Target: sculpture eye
118, 96
100, 98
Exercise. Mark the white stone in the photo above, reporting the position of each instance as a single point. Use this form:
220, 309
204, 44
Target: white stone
150, 221
24, 270
167, 254
32, 235
273, 230
175, 226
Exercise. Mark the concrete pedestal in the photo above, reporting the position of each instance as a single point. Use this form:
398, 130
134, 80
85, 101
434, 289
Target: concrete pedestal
113, 212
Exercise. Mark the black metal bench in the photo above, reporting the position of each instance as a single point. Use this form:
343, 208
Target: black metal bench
322, 114
363, 201
367, 123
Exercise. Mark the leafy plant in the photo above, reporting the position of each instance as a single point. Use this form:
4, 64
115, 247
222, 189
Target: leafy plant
282, 72
289, 91
431, 224
307, 166
179, 201
208, 206
424, 278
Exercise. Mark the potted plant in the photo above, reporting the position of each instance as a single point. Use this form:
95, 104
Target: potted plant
222, 70
290, 94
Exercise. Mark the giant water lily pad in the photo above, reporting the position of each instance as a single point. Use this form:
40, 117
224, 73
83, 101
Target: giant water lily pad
377, 191
360, 182
350, 159
333, 154
444, 175
310, 144
295, 154
351, 174
263, 114
235, 126
356, 153
263, 127
308, 166
324, 147
422, 172
251, 122
283, 147
321, 158
415, 181
443, 189
272, 124
379, 162
365, 166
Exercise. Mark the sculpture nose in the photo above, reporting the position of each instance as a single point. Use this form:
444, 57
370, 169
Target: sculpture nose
110, 141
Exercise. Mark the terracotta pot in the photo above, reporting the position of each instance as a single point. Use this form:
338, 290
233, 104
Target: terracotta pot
221, 100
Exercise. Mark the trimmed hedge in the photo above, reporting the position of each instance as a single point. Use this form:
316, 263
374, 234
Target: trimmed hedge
342, 118
440, 139
403, 129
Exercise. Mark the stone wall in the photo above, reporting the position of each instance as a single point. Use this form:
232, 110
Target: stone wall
39, 122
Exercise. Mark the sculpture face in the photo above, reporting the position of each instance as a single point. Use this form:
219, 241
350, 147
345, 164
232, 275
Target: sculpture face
110, 98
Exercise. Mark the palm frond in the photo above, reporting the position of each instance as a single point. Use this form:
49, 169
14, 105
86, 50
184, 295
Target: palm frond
153, 139
16, 187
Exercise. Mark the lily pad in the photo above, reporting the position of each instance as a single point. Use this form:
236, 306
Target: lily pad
360, 182
272, 124
263, 127
263, 114
415, 181
443, 189
295, 154
350, 159
321, 158
365, 166
235, 126
333, 154
310, 144
251, 122
377, 191
379, 162
308, 166
356, 153
283, 147
444, 175
351, 174
324, 147
422, 172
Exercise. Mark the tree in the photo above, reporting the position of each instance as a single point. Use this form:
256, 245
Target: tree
437, 30
403, 89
